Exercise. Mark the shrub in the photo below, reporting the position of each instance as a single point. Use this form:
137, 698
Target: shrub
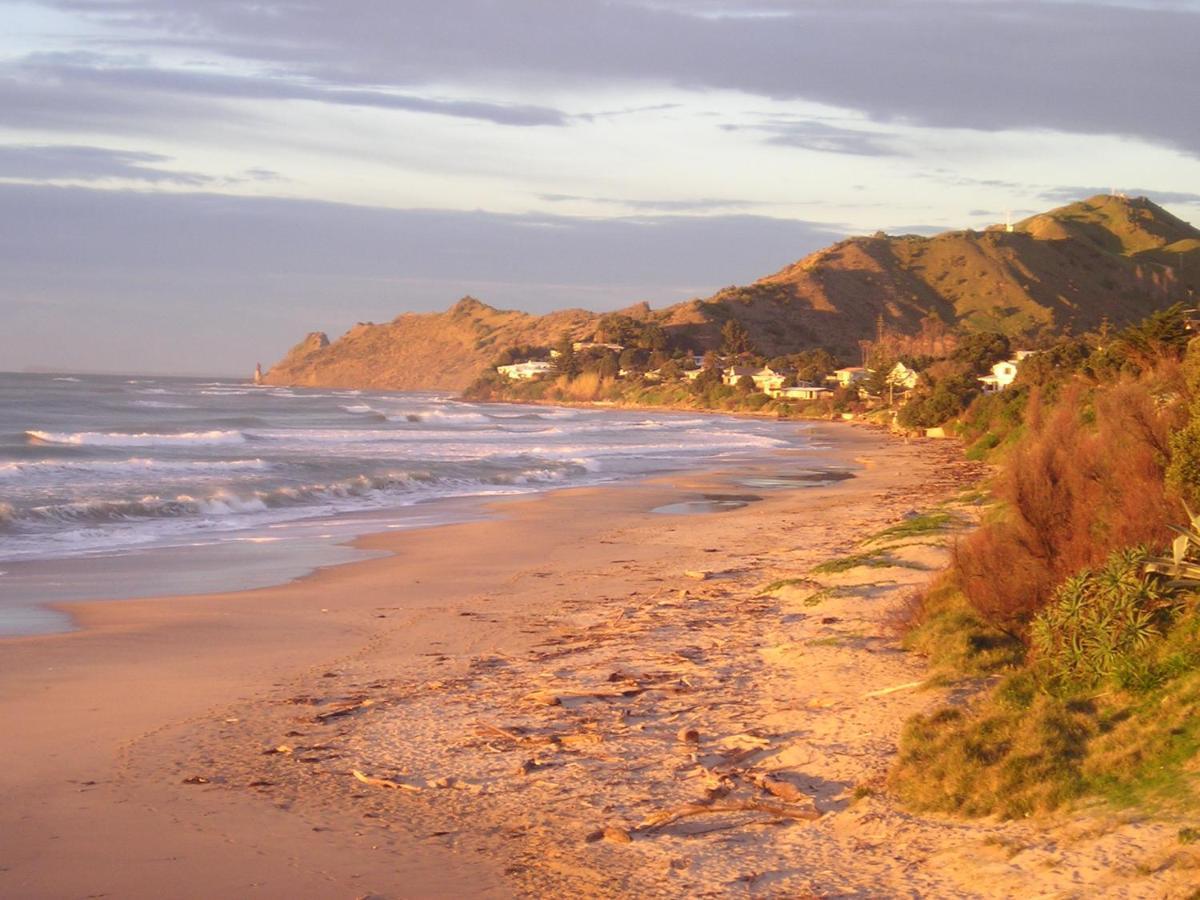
1085, 480
1100, 621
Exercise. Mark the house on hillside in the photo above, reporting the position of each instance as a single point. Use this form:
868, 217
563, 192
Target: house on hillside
526, 371
767, 379
802, 392
593, 345
849, 375
902, 377
1004, 373
732, 374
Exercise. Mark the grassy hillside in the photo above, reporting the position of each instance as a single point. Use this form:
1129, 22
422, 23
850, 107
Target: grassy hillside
1107, 258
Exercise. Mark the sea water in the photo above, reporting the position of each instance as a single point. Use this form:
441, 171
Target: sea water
237, 485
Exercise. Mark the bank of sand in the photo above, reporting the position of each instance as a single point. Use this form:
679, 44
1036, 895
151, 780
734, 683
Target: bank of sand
538, 702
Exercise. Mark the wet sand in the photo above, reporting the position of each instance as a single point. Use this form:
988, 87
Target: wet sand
533, 703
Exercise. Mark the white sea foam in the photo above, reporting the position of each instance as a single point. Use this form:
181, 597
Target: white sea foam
133, 466
146, 439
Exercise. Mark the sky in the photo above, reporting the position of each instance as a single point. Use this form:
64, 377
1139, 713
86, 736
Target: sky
190, 186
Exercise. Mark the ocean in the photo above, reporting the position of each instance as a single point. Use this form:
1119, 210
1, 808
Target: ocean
240, 485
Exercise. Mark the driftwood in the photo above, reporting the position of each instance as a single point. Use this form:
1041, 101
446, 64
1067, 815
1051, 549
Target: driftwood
777, 787
668, 817
891, 690
557, 698
383, 782
343, 711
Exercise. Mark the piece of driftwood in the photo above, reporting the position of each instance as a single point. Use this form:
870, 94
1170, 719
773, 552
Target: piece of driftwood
343, 710
662, 819
383, 782
557, 698
777, 787
882, 692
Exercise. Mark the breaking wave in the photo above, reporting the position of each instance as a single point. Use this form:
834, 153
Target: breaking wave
144, 439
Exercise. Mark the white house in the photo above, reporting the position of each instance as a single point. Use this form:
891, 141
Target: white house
767, 379
733, 373
525, 371
803, 392
850, 375
903, 377
592, 345
1002, 375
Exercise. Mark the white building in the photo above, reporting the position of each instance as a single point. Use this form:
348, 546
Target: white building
850, 375
526, 371
1004, 373
903, 377
803, 392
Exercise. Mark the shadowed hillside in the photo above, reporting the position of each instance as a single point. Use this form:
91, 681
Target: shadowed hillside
1106, 258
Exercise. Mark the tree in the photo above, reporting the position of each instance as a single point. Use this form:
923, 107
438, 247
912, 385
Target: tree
746, 385
567, 362
735, 339
608, 366
978, 352
633, 359
708, 379
670, 370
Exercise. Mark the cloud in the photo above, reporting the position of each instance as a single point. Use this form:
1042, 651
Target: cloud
81, 163
812, 134
71, 73
699, 204
1086, 67
205, 281
1069, 194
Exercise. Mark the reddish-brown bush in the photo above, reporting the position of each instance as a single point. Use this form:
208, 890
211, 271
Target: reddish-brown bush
1086, 479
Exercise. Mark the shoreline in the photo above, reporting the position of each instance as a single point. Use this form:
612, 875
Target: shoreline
51, 581
520, 694
140, 667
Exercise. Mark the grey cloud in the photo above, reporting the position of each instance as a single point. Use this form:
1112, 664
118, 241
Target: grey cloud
81, 163
210, 281
1088, 67
71, 72
811, 134
700, 204
1067, 194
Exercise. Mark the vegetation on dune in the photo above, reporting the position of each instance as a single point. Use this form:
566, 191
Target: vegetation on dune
1095, 641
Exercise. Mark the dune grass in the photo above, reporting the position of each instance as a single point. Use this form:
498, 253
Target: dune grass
918, 526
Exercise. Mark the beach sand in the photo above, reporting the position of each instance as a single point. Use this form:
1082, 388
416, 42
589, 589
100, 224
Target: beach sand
538, 703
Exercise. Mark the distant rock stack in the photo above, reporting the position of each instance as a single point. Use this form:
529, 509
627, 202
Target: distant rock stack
258, 373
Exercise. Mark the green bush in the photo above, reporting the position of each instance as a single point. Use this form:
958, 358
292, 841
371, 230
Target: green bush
1099, 622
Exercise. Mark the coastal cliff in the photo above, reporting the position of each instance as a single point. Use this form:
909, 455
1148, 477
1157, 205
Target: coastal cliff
1106, 259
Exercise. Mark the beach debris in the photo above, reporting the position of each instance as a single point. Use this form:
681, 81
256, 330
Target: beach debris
777, 787
344, 710
688, 735
547, 697
617, 835
282, 749
579, 739
883, 692
659, 820
375, 781
196, 779
697, 574
529, 765
745, 742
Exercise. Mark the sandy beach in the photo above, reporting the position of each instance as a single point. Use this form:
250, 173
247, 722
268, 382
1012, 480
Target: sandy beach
577, 696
